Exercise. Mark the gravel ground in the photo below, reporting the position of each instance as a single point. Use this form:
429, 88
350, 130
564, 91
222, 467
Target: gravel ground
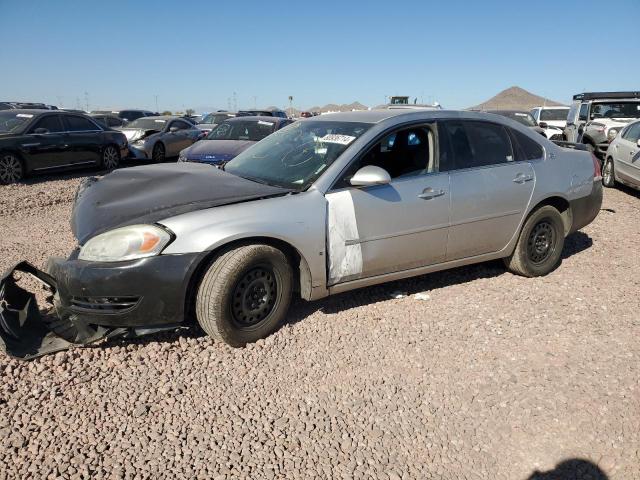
484, 375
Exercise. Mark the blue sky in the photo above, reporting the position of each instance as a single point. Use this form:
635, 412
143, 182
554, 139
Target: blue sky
195, 54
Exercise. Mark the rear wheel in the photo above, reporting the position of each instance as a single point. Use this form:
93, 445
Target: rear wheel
110, 157
158, 154
608, 177
540, 244
245, 294
11, 169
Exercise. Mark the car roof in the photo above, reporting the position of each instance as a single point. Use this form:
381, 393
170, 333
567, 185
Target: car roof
498, 112
257, 118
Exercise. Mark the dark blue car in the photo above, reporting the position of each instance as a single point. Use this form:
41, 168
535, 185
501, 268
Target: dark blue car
230, 138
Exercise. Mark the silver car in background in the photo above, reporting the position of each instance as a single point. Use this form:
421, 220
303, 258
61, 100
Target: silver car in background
622, 160
159, 137
326, 205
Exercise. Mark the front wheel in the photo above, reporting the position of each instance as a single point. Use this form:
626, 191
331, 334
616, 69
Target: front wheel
245, 294
158, 154
11, 169
608, 177
540, 244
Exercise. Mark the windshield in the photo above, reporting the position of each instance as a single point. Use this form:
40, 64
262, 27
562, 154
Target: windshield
148, 123
216, 118
12, 122
254, 130
296, 156
554, 114
615, 110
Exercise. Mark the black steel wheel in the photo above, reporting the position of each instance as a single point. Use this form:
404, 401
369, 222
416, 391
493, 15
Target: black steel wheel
244, 294
11, 169
540, 244
158, 154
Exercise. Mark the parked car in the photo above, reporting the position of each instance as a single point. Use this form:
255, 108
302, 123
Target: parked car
127, 115
158, 137
211, 120
326, 205
596, 118
108, 120
306, 114
551, 116
622, 160
26, 106
263, 113
230, 138
526, 119
48, 140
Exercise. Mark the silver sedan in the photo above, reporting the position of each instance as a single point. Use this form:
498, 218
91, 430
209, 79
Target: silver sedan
622, 160
160, 137
326, 205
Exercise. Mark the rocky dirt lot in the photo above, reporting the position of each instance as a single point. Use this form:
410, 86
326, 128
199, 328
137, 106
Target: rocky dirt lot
487, 376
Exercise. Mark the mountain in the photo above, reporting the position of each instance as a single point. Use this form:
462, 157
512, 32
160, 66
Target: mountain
514, 98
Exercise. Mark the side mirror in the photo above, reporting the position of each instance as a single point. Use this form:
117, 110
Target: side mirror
40, 131
370, 175
543, 125
174, 129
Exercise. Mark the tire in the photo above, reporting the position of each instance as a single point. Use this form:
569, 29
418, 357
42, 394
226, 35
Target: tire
158, 154
245, 294
540, 244
110, 157
608, 174
11, 168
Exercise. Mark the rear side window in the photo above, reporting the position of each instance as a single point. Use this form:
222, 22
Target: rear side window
51, 123
524, 147
633, 133
79, 124
478, 144
180, 125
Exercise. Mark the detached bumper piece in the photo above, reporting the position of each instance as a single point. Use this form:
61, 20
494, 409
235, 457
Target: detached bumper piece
25, 333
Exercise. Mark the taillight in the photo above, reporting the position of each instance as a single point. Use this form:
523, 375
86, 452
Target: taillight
597, 172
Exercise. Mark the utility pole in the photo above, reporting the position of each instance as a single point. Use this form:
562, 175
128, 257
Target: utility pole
235, 102
290, 106
86, 101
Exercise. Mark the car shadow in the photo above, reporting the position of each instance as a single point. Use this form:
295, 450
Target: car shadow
572, 469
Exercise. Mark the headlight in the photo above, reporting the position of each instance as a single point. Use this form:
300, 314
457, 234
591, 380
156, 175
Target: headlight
611, 134
126, 243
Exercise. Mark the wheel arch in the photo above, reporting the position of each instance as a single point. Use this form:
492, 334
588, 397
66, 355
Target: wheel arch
302, 281
559, 203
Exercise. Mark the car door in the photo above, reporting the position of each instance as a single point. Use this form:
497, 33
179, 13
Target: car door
627, 155
178, 140
43, 146
490, 187
388, 228
571, 129
83, 138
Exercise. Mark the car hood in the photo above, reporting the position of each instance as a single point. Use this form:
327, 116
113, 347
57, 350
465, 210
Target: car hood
216, 150
151, 193
614, 122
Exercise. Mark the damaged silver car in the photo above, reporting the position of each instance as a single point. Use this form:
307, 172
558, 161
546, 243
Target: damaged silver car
159, 137
327, 205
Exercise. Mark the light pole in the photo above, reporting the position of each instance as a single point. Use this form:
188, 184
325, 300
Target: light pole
290, 106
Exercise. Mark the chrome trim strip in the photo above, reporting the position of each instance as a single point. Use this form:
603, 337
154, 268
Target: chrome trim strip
65, 165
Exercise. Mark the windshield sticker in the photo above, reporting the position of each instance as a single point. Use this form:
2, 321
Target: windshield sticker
335, 138
24, 115
160, 121
268, 124
521, 114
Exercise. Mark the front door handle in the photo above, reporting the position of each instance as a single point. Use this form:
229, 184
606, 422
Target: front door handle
429, 193
521, 178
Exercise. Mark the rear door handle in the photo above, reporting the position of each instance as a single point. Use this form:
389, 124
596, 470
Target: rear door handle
429, 193
521, 178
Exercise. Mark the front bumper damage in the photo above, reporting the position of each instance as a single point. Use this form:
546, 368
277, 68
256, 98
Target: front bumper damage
26, 332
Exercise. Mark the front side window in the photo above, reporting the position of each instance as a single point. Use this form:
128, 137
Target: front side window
478, 144
114, 122
296, 156
403, 153
51, 123
180, 125
79, 124
633, 133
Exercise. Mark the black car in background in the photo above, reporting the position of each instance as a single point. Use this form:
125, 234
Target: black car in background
108, 120
49, 140
126, 115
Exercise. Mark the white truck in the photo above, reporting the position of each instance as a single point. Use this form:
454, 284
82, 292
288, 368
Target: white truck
596, 118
